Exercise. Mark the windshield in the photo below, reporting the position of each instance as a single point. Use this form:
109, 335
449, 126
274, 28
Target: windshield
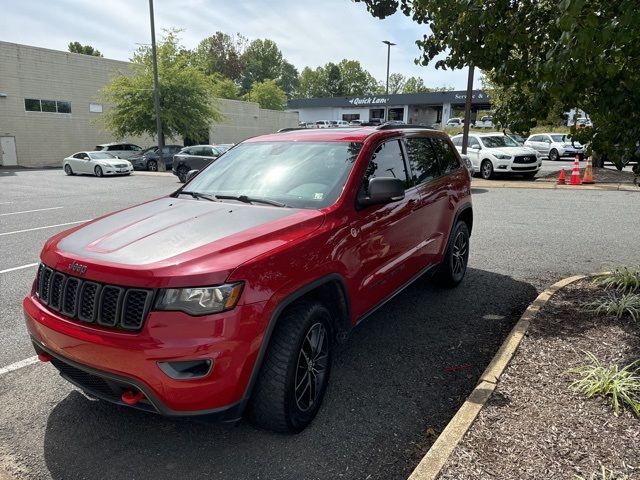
101, 156
298, 174
558, 138
498, 141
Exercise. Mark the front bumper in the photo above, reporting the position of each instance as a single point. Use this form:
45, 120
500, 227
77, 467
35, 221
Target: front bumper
117, 171
515, 168
105, 362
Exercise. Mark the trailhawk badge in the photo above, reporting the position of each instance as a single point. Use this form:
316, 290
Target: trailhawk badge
77, 267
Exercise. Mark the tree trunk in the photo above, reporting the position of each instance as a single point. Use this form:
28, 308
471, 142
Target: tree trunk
597, 160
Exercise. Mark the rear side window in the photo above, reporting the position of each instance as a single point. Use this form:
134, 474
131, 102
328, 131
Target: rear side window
114, 147
423, 160
457, 141
387, 161
447, 158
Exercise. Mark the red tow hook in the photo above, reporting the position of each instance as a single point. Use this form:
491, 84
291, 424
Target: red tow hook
44, 357
131, 398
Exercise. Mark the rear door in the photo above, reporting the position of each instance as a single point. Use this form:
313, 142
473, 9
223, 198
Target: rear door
433, 187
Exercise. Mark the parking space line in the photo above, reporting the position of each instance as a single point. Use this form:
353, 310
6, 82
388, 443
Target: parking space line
6, 203
30, 211
42, 228
19, 268
18, 365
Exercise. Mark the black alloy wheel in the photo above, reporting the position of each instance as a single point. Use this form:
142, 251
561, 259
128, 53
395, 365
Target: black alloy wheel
454, 264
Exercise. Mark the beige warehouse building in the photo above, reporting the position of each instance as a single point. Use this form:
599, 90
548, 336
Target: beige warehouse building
50, 107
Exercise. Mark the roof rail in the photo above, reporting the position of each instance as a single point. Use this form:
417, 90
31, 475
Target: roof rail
394, 126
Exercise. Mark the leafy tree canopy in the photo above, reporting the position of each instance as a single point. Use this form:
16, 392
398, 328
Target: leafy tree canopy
262, 61
186, 95
77, 47
397, 82
221, 53
288, 79
549, 54
356, 80
268, 95
223, 87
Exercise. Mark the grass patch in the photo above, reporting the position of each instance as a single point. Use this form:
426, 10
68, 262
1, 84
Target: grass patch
621, 278
621, 385
618, 306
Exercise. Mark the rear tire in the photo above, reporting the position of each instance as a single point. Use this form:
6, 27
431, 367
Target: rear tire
182, 173
295, 372
67, 170
98, 171
454, 264
152, 166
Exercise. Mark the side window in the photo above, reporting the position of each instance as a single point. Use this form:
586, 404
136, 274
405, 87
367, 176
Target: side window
447, 158
457, 141
423, 160
387, 161
473, 141
114, 147
125, 147
78, 155
535, 138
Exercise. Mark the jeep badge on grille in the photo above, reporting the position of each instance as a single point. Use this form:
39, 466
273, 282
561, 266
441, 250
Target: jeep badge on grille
77, 267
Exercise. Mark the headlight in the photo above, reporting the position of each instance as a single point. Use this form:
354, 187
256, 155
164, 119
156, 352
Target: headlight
501, 156
200, 300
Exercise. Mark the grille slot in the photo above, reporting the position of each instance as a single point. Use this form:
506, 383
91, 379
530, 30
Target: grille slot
92, 302
525, 159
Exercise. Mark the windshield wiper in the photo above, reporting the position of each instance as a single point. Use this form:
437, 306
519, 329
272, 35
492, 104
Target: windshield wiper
246, 199
198, 195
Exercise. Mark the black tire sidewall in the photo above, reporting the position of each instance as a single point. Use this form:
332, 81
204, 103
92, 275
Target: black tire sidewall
67, 169
98, 169
554, 157
482, 173
152, 166
182, 174
460, 227
296, 418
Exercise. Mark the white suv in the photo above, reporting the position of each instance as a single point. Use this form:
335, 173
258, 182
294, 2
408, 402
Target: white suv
492, 153
554, 145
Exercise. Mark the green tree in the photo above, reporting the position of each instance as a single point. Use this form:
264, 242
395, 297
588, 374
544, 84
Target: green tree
288, 79
223, 87
356, 80
335, 85
77, 47
415, 85
572, 53
186, 95
312, 83
268, 95
262, 61
221, 53
397, 82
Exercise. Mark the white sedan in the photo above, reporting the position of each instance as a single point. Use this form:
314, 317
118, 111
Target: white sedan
96, 163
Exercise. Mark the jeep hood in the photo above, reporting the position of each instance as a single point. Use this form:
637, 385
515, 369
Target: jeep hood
164, 240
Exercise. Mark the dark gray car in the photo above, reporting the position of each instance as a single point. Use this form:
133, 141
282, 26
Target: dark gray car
195, 157
148, 159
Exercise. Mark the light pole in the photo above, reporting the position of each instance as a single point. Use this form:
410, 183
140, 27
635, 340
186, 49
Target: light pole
386, 108
156, 91
467, 110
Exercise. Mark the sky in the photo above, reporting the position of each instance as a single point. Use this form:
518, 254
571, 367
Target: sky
309, 33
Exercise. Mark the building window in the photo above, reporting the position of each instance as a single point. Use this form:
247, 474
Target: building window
376, 113
350, 117
396, 114
48, 106
95, 107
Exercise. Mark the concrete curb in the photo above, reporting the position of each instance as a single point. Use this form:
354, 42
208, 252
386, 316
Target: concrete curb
153, 174
434, 460
542, 185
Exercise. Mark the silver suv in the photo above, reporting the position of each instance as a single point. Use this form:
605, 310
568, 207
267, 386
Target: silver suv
554, 145
120, 150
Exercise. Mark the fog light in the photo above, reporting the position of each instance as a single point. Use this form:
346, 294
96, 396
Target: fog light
502, 167
184, 370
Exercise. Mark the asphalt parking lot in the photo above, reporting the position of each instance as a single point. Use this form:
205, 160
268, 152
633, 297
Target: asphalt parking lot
395, 383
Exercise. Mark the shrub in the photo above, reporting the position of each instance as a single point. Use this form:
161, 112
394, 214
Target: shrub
621, 385
621, 278
628, 303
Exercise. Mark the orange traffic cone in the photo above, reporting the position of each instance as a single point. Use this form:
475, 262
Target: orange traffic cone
562, 178
588, 173
575, 173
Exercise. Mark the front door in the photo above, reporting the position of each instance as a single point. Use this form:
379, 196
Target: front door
8, 151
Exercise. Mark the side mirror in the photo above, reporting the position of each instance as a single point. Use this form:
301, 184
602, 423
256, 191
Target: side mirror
474, 147
191, 174
383, 190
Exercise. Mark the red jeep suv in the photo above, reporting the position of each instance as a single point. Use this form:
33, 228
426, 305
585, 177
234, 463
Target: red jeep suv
229, 295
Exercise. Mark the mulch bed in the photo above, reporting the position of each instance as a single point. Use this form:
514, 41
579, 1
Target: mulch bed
600, 175
534, 426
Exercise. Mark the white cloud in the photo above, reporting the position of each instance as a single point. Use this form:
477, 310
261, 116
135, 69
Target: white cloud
309, 33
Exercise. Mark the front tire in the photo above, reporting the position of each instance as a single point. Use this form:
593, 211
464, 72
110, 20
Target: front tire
295, 372
67, 169
454, 264
152, 166
182, 173
98, 171
486, 170
553, 155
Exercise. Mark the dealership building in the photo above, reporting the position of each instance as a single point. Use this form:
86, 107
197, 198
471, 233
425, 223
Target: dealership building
50, 107
415, 108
